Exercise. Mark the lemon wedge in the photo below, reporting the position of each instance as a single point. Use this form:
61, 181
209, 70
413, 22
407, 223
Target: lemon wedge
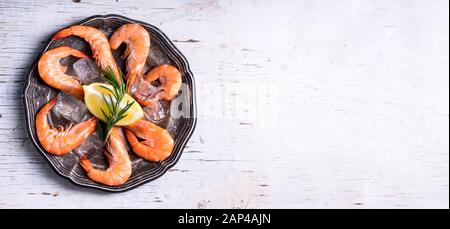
93, 97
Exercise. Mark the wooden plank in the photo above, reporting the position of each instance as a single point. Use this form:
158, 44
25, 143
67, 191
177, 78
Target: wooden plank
302, 104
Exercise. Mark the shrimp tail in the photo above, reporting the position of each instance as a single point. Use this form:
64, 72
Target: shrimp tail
62, 33
51, 103
131, 79
157, 144
85, 163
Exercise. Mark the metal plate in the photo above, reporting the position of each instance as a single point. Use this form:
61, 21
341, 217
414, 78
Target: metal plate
36, 93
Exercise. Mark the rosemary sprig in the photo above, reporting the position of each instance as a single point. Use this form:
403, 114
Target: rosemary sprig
114, 113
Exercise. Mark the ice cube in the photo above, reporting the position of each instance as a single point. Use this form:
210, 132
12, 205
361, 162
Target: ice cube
87, 71
68, 61
157, 112
172, 126
92, 145
41, 94
144, 88
75, 43
70, 108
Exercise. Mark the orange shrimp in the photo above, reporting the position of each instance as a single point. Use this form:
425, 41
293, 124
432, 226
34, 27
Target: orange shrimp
119, 162
98, 42
52, 72
61, 141
170, 79
138, 44
157, 144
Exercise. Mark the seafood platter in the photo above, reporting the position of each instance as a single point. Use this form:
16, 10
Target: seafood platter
110, 103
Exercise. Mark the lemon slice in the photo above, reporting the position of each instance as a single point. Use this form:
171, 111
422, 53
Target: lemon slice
95, 103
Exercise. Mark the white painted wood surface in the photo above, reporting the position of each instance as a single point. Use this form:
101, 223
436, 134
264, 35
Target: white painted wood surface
302, 104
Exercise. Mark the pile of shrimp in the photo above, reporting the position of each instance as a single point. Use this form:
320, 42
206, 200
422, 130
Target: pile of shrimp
146, 139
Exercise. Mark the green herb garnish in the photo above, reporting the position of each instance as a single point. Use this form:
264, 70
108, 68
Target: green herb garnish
114, 113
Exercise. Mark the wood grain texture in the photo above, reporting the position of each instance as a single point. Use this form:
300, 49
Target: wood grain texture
302, 104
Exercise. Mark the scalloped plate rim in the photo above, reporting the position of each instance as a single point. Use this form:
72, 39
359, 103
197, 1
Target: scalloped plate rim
191, 123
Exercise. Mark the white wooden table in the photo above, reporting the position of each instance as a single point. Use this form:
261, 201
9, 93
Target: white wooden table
302, 104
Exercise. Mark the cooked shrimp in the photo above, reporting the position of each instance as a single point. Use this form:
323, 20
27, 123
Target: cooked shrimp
98, 42
52, 72
138, 44
157, 144
119, 162
60, 141
170, 79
